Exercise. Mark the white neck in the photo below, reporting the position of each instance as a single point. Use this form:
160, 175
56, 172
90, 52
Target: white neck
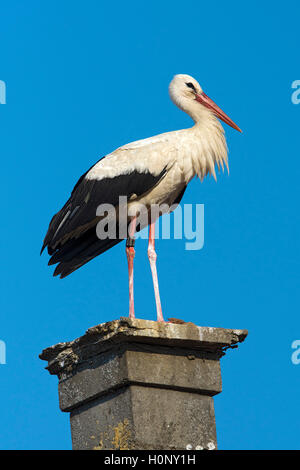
211, 143
207, 144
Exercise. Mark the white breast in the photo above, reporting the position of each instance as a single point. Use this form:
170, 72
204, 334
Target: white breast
184, 154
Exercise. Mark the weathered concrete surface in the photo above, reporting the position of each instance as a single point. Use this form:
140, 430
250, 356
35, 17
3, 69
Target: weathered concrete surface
63, 357
138, 384
137, 417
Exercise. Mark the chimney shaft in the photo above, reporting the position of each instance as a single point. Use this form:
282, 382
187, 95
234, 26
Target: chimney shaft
138, 384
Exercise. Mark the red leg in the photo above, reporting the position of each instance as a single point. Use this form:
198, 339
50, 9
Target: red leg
130, 252
152, 258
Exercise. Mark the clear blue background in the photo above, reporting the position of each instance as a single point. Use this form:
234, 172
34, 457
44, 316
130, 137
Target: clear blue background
86, 77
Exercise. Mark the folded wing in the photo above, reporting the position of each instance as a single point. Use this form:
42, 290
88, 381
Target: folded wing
71, 238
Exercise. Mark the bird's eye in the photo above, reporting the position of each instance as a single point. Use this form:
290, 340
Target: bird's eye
190, 85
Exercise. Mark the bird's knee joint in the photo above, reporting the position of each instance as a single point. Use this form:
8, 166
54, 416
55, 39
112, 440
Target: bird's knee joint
152, 254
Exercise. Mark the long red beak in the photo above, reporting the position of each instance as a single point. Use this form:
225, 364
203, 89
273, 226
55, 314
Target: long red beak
210, 104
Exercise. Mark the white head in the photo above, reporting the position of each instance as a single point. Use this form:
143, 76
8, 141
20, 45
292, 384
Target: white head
188, 95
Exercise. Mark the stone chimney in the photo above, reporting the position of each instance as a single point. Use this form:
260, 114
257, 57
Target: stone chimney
138, 384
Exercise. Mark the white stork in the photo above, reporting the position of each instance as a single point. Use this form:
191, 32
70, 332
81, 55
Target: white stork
148, 172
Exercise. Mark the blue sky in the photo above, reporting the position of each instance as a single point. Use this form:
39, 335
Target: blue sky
82, 79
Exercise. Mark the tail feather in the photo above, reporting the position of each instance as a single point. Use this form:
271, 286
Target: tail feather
66, 268
77, 252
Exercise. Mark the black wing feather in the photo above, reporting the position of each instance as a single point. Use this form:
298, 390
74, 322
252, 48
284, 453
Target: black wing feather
71, 238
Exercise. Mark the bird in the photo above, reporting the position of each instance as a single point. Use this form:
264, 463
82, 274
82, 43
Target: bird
146, 173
